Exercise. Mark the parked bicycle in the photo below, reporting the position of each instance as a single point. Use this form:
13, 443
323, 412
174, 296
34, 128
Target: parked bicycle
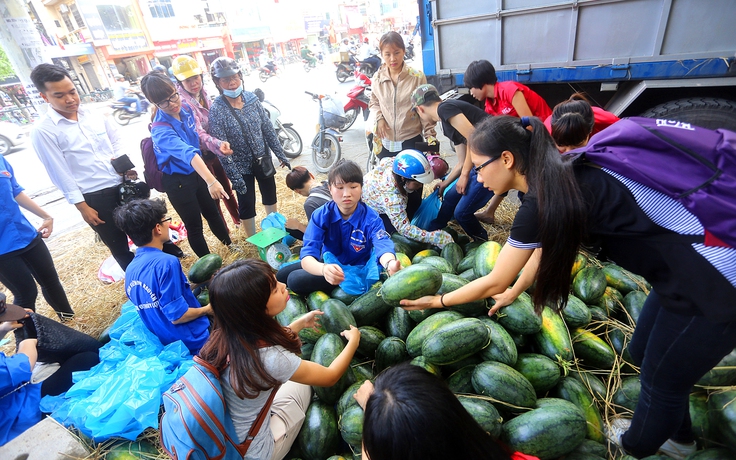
326, 150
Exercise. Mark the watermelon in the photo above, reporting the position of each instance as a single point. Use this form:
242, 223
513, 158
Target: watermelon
390, 351
422, 254
634, 303
485, 258
456, 340
316, 299
204, 297
403, 259
468, 275
554, 429
453, 254
419, 334
347, 399
592, 383
502, 347
467, 262
350, 424
574, 391
370, 338
503, 383
589, 285
484, 413
295, 308
592, 350
519, 316
439, 263
422, 362
307, 349
623, 280
398, 323
553, 340
702, 430
576, 313
319, 436
337, 317
414, 245
716, 453
580, 262
340, 294
326, 350
591, 448
723, 374
203, 269
611, 301
722, 416
130, 450
461, 380
411, 283
628, 394
369, 308
542, 372
598, 314
451, 283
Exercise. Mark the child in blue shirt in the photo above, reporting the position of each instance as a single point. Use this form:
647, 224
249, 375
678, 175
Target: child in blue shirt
344, 227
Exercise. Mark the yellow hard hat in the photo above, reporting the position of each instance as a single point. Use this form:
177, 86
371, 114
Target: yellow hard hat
185, 67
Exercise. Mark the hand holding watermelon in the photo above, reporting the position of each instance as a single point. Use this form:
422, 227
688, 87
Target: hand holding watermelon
422, 303
310, 320
352, 334
501, 300
363, 393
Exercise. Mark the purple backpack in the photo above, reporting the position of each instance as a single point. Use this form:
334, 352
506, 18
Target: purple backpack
693, 165
151, 173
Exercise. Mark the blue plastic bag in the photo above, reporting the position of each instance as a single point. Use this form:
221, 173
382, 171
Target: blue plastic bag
277, 220
358, 279
427, 211
121, 396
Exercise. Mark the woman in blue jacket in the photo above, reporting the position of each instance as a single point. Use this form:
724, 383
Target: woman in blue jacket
192, 189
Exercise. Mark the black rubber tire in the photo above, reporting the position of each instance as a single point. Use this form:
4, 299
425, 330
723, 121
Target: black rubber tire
296, 139
120, 118
307, 67
5, 145
706, 112
325, 158
263, 76
351, 115
341, 74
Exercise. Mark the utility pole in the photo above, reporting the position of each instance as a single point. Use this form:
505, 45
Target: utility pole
22, 43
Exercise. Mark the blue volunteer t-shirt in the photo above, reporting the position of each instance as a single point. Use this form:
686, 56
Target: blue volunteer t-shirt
19, 408
16, 232
351, 240
161, 294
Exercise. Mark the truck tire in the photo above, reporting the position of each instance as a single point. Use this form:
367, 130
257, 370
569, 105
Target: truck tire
706, 112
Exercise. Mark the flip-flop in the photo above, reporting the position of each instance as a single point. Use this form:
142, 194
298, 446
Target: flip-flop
484, 219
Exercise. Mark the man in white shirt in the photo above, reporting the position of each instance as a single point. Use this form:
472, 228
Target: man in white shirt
76, 148
123, 94
367, 53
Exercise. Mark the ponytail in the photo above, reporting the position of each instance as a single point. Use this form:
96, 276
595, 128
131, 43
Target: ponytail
572, 121
561, 212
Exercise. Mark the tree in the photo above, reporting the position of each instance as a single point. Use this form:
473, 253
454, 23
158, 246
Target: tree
6, 71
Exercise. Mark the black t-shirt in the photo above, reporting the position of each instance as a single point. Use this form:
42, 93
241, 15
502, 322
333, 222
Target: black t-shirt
685, 280
451, 107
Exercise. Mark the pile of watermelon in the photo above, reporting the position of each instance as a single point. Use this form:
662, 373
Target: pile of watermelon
544, 385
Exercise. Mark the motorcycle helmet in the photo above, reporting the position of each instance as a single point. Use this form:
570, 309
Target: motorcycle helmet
365, 40
439, 166
185, 67
159, 68
259, 94
412, 164
224, 67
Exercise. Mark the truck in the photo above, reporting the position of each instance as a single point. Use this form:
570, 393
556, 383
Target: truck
670, 59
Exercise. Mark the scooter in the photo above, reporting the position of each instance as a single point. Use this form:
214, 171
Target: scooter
369, 68
264, 73
309, 65
326, 151
122, 113
290, 140
344, 70
409, 54
358, 98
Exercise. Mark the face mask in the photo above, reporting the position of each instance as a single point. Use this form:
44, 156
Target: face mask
233, 93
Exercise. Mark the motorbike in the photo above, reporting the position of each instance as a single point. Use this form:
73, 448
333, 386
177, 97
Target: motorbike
367, 68
264, 73
122, 113
291, 141
326, 150
308, 65
344, 70
358, 99
409, 54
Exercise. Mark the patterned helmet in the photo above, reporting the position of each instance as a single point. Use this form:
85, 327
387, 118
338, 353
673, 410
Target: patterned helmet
224, 67
439, 166
412, 164
185, 67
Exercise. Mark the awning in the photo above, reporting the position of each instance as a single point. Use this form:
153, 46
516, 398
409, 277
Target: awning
72, 49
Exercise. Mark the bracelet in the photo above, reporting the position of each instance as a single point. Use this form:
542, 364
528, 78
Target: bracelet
386, 267
323, 269
213, 183
442, 302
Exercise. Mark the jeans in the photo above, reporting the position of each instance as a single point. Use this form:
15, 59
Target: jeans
301, 281
104, 202
463, 207
190, 198
19, 273
674, 351
131, 100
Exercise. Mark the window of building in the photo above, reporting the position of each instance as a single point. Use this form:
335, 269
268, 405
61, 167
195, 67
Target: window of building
117, 18
77, 15
68, 21
161, 8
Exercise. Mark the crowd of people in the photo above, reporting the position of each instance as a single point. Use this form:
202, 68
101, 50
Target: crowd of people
212, 151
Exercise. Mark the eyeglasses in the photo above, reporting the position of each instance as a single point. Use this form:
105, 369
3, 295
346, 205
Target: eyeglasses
168, 219
232, 78
478, 168
168, 101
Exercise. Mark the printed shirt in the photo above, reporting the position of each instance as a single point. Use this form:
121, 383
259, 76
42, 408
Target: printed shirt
201, 118
16, 232
450, 108
503, 94
652, 235
602, 120
19, 409
248, 146
381, 194
175, 146
351, 240
77, 154
156, 285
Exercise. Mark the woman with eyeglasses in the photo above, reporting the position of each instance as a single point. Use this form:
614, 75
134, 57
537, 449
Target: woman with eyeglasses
192, 189
238, 117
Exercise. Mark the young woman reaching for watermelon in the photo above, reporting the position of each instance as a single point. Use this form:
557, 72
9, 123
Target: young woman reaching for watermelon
688, 322
256, 356
411, 414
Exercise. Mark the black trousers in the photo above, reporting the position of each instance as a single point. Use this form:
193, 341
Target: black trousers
20, 270
247, 200
61, 380
301, 281
190, 198
104, 202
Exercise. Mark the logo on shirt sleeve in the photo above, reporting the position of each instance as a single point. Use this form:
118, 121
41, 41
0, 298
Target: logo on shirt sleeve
382, 235
357, 240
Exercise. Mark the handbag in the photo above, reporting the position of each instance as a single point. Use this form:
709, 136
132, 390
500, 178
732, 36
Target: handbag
265, 164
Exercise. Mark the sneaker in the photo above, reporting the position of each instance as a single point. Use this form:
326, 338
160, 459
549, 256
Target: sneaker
616, 429
677, 450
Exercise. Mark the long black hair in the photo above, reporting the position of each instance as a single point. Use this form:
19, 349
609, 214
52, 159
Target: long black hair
572, 121
413, 415
550, 180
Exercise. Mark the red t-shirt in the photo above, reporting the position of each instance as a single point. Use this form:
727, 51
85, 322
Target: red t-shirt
601, 118
520, 456
503, 94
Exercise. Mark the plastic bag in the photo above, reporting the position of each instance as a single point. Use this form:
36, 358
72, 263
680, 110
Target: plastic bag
358, 279
277, 220
121, 396
427, 211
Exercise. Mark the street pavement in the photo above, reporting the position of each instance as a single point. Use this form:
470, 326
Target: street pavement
285, 91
